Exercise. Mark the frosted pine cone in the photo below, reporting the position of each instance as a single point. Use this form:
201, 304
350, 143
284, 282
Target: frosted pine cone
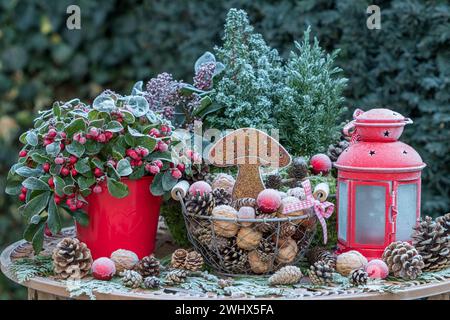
148, 266
176, 276
321, 254
320, 273
71, 259
403, 260
200, 204
243, 202
131, 279
359, 277
274, 181
221, 196
179, 258
298, 169
285, 276
152, 282
194, 261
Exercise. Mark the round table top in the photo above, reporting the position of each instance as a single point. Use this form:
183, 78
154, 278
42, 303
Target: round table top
57, 288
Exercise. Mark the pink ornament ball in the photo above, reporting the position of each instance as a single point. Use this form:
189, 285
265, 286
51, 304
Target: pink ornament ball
269, 200
103, 269
320, 163
200, 187
377, 269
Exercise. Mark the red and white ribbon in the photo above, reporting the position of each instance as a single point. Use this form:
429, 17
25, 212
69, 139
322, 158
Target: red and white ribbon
323, 210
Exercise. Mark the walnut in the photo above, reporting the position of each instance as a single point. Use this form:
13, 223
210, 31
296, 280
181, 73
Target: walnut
248, 239
224, 181
225, 229
257, 265
124, 259
348, 261
288, 251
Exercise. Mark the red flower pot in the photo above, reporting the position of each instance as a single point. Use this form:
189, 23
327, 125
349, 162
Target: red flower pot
129, 223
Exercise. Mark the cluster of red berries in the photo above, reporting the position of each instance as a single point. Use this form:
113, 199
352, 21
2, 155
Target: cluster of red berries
164, 131
23, 194
117, 115
71, 200
49, 138
154, 167
98, 135
193, 156
136, 155
67, 163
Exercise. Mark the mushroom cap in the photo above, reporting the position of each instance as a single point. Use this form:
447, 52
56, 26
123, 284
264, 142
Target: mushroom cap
248, 146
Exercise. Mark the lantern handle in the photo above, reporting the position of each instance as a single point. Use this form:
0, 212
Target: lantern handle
349, 127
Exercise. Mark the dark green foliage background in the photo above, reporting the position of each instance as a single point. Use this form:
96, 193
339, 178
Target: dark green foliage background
404, 66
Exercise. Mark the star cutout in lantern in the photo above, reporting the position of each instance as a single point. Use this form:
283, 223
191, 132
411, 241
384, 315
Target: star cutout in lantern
386, 133
372, 152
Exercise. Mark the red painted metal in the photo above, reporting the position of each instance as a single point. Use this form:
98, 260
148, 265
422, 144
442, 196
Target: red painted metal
129, 223
377, 159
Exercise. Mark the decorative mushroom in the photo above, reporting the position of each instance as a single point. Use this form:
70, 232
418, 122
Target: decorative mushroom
248, 149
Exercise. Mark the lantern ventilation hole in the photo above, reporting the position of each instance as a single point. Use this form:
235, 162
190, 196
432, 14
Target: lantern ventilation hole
386, 133
372, 152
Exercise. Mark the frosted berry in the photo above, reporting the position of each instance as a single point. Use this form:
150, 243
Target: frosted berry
108, 135
73, 159
200, 187
377, 269
79, 204
47, 142
143, 152
23, 153
154, 132
82, 140
320, 163
101, 138
162, 146
103, 269
22, 197
197, 158
23, 190
62, 146
74, 172
59, 160
181, 167
93, 132
176, 174
46, 167
158, 163
97, 189
63, 135
51, 183
152, 168
57, 199
51, 133
269, 200
65, 172
98, 172
165, 129
47, 231
190, 154
132, 154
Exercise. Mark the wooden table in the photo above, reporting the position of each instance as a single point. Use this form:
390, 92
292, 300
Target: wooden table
40, 288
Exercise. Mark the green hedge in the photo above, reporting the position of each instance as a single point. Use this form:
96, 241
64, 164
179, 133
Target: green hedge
404, 66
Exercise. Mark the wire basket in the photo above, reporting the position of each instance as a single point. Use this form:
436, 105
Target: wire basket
260, 246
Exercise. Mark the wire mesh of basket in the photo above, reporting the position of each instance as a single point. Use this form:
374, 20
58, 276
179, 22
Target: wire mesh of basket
236, 246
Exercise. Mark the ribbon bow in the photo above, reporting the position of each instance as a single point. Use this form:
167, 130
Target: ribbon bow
323, 210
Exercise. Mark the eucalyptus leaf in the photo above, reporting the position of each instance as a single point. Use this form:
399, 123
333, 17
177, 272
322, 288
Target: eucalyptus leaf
114, 126
137, 88
156, 188
138, 105
29, 172
168, 182
59, 185
104, 103
53, 149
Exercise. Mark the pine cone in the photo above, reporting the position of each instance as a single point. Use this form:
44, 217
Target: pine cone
266, 250
321, 254
335, 150
131, 279
179, 258
432, 242
221, 196
71, 259
359, 277
199, 172
194, 261
202, 232
403, 260
234, 259
200, 204
274, 181
298, 169
148, 266
266, 227
243, 202
287, 230
176, 276
285, 276
320, 273
152, 282
220, 243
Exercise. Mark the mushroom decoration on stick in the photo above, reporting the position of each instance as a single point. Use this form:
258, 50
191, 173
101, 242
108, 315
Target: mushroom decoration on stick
248, 149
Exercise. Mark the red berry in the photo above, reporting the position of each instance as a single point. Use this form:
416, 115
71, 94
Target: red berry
51, 133
82, 140
162, 146
108, 135
190, 154
71, 196
181, 167
23, 153
79, 204
158, 163
98, 172
47, 142
73, 207
46, 167
51, 183
22, 197
63, 135
65, 172
176, 173
57, 199
154, 132
152, 169
59, 160
62, 146
73, 159
165, 129
47, 231
133, 154
97, 189
23, 190
74, 172
93, 132
320, 163
101, 138
197, 158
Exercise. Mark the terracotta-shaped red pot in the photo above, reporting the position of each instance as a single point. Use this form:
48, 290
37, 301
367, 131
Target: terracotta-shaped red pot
128, 223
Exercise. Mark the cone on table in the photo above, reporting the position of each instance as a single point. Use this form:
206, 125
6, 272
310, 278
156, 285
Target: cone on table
194, 261
131, 279
152, 282
71, 259
176, 276
321, 254
201, 204
178, 259
221, 196
320, 273
286, 276
359, 277
432, 241
403, 260
148, 266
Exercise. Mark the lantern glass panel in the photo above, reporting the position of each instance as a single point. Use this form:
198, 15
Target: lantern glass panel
370, 216
343, 210
407, 211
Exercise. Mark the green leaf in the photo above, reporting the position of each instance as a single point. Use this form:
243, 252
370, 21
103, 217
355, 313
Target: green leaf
201, 112
23, 138
39, 158
138, 173
81, 217
59, 185
36, 205
85, 182
69, 189
54, 219
161, 156
38, 238
76, 125
114, 126
138, 105
128, 117
53, 149
147, 142
124, 168
76, 148
98, 123
33, 183
32, 228
93, 147
32, 138
116, 188
156, 188
168, 182
129, 139
98, 163
135, 133
13, 187
82, 166
56, 110
104, 103
28, 172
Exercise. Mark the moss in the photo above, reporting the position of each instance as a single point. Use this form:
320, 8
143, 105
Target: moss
171, 211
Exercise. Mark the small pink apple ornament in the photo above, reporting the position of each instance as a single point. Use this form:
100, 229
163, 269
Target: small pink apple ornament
200, 187
269, 200
377, 269
103, 269
320, 163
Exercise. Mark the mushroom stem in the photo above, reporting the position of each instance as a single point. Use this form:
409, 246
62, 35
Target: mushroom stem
248, 182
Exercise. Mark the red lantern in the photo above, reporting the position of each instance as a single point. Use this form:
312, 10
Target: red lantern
378, 184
